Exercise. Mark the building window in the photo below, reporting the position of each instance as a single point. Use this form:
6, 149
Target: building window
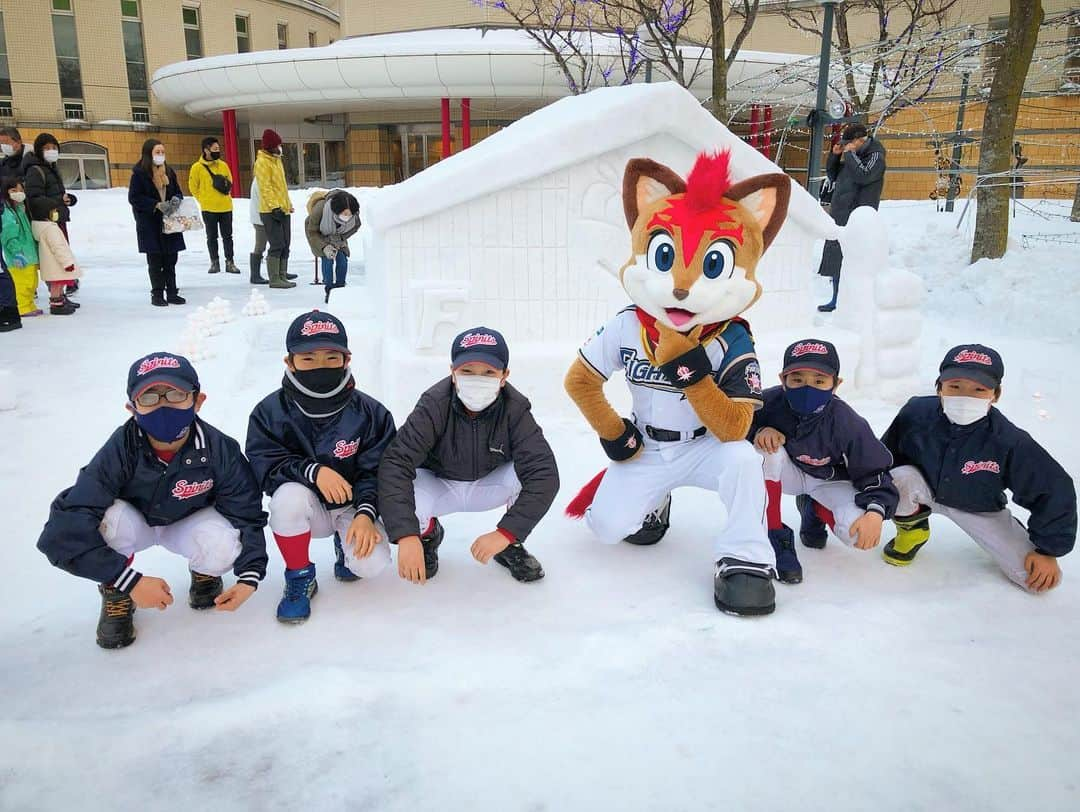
74, 111
243, 35
83, 165
67, 50
140, 115
134, 54
311, 39
5, 74
282, 36
192, 33
6, 110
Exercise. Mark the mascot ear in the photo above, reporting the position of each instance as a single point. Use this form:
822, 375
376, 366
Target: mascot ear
766, 198
644, 182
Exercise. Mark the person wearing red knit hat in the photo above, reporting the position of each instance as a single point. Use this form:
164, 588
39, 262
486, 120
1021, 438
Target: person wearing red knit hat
275, 209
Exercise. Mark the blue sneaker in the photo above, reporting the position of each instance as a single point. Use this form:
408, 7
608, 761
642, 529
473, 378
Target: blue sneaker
788, 568
341, 572
812, 531
300, 588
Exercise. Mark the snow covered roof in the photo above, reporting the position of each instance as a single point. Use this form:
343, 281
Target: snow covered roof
358, 72
570, 131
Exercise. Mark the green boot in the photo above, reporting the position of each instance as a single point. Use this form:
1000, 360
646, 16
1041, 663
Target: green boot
277, 278
912, 532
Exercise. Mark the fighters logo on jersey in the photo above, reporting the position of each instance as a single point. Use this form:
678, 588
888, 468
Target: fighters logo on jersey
808, 460
752, 374
972, 467
345, 449
808, 348
478, 340
186, 490
158, 362
314, 328
639, 370
972, 357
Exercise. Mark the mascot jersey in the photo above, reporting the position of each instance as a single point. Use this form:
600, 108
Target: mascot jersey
623, 343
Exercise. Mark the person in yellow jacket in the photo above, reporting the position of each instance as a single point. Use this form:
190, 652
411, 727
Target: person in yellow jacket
275, 209
210, 182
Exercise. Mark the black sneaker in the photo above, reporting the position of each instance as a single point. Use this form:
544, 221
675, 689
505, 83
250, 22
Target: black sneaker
743, 588
654, 527
203, 590
430, 542
116, 626
521, 563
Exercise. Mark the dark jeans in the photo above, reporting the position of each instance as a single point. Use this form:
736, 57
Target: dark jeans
278, 234
223, 221
334, 270
7, 290
162, 270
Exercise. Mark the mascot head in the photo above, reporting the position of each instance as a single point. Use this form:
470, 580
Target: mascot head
696, 243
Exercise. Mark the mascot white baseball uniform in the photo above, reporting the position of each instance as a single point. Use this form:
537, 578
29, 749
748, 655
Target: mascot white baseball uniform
690, 365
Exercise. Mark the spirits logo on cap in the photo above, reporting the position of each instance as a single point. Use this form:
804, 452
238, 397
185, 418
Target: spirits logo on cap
478, 340
314, 328
158, 362
972, 357
809, 348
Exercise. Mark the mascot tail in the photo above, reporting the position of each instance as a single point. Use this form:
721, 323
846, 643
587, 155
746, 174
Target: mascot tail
580, 503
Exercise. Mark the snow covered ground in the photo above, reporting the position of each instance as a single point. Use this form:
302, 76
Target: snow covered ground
611, 684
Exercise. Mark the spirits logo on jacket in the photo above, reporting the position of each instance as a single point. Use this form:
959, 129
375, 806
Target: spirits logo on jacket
972, 357
186, 490
972, 467
478, 340
345, 449
808, 460
158, 362
809, 348
314, 328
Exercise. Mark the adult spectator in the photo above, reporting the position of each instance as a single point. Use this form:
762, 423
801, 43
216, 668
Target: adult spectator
153, 193
333, 217
14, 153
856, 168
255, 258
210, 182
275, 209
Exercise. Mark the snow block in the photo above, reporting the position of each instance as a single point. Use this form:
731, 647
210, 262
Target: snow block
898, 362
897, 328
898, 288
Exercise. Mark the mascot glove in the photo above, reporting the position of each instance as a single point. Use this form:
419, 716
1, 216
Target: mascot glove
688, 368
626, 445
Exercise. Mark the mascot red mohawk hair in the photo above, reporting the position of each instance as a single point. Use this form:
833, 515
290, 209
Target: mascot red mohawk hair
689, 362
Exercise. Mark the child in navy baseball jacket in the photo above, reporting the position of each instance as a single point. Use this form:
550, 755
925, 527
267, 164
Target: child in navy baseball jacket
817, 448
470, 445
315, 445
957, 455
165, 478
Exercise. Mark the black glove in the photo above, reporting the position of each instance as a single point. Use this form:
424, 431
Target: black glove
625, 446
73, 199
688, 368
277, 212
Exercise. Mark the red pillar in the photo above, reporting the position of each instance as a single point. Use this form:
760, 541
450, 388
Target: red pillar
232, 150
446, 128
466, 123
766, 147
755, 138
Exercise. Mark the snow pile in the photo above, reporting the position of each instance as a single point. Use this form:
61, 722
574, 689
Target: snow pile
205, 322
256, 304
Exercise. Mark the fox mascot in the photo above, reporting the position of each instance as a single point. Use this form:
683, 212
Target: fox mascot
691, 368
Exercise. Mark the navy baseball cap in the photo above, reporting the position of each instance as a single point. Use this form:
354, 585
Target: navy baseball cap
480, 344
316, 331
812, 353
161, 367
973, 362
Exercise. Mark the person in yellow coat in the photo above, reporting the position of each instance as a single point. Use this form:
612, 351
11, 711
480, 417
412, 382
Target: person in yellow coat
210, 182
275, 209
20, 247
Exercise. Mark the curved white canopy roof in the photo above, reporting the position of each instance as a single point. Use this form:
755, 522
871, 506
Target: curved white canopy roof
373, 71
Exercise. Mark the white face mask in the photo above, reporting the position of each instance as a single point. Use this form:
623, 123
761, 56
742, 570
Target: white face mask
964, 411
343, 218
159, 160
18, 197
51, 155
477, 392
7, 149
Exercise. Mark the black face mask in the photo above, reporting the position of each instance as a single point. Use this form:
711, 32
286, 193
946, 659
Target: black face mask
214, 156
319, 392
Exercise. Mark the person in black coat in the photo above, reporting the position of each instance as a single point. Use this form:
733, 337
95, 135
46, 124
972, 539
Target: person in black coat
43, 181
154, 192
470, 445
15, 153
856, 169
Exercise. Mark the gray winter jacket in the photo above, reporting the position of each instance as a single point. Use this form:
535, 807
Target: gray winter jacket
440, 436
857, 179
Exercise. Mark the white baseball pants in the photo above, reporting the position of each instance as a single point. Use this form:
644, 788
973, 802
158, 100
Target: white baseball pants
838, 496
205, 538
439, 497
631, 490
999, 533
296, 509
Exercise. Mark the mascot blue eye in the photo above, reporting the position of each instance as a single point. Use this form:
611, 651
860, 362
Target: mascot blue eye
660, 254
719, 260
